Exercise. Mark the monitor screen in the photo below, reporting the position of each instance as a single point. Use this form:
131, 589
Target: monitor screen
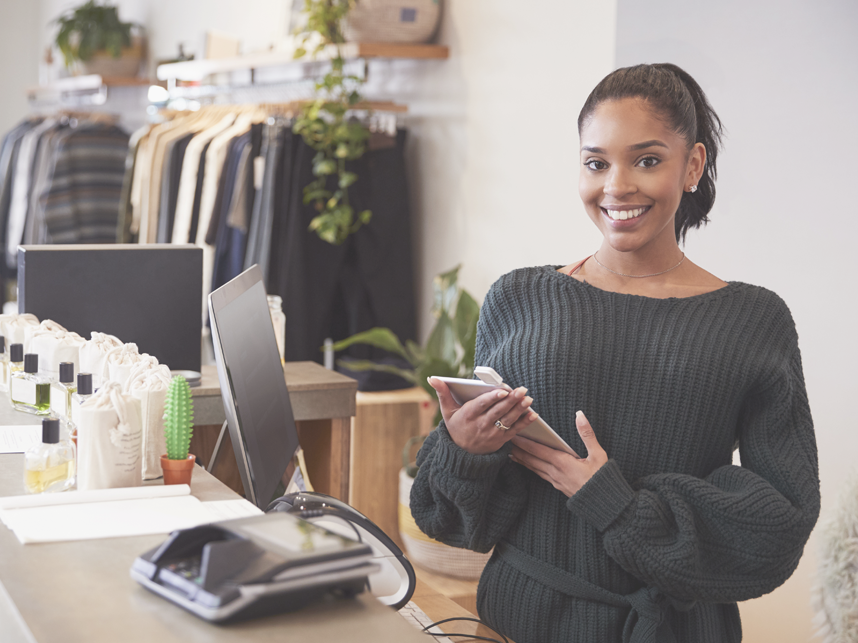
255, 398
151, 295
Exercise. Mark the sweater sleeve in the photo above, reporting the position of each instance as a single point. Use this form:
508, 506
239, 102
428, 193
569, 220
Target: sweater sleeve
738, 533
462, 499
459, 498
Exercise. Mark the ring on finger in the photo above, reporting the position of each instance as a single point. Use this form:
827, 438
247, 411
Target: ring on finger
501, 426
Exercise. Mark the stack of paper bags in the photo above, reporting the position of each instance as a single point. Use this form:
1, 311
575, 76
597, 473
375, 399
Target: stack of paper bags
55, 346
148, 384
93, 355
120, 361
13, 327
109, 440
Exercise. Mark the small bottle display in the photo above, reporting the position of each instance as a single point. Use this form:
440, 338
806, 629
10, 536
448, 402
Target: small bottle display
62, 391
4, 365
49, 466
29, 391
83, 393
16, 358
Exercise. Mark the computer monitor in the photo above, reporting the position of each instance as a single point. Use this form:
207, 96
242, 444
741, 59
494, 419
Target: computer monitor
150, 295
255, 399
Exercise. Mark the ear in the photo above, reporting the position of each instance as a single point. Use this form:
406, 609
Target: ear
696, 165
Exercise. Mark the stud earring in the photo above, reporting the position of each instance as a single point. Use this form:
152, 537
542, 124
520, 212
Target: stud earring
692, 189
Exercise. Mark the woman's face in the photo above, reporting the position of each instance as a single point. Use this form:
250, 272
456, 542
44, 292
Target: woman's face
634, 170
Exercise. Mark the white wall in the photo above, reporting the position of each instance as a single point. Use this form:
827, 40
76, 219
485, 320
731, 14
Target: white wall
782, 76
19, 53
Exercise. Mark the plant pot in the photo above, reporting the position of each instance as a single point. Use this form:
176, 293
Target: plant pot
400, 21
429, 553
178, 471
126, 66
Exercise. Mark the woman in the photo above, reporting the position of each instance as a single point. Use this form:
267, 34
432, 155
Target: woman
653, 370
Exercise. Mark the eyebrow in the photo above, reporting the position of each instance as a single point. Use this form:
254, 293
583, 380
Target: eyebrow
631, 148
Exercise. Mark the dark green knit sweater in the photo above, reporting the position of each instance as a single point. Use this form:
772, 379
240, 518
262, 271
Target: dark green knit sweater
668, 535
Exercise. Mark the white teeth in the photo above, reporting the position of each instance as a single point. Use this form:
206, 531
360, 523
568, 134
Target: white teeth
622, 215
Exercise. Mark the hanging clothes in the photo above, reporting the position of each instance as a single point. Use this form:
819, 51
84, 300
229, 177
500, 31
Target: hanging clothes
231, 180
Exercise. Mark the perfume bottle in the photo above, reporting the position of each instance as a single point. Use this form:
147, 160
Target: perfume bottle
62, 391
29, 391
4, 365
16, 358
49, 466
83, 393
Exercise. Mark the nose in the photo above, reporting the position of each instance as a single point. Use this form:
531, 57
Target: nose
618, 182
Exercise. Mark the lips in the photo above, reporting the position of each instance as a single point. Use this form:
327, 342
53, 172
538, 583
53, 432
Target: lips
623, 215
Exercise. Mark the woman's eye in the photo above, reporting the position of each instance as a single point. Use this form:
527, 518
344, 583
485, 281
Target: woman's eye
648, 161
595, 165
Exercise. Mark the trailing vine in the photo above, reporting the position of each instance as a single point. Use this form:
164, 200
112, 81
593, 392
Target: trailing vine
324, 126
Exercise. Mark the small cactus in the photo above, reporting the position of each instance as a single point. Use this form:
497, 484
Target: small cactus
178, 418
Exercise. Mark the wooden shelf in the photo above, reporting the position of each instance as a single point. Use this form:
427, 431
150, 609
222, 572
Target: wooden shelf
197, 70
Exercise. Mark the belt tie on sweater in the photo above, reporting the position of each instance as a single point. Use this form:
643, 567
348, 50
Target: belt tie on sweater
646, 623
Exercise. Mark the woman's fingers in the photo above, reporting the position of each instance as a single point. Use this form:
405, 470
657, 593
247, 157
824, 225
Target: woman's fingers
445, 398
588, 436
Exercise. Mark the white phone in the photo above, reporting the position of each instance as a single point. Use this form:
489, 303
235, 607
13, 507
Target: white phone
464, 390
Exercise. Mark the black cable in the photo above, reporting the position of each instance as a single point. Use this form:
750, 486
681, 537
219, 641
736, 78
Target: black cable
473, 636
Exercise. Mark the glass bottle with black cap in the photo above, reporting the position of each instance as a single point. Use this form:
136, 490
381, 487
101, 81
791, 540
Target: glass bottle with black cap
50, 465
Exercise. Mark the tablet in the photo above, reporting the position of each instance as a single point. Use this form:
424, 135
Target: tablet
464, 390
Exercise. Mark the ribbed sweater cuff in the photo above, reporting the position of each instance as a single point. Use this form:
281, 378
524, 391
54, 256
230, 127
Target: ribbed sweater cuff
603, 498
452, 458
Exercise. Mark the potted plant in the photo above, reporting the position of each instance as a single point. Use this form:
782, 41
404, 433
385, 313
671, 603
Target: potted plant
177, 464
324, 126
449, 352
93, 35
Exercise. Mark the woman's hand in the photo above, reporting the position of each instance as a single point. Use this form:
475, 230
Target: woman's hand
564, 471
472, 425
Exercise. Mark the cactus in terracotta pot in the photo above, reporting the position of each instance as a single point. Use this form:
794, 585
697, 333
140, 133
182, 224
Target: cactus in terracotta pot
178, 428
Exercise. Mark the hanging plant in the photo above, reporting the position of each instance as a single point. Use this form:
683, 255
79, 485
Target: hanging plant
91, 28
324, 126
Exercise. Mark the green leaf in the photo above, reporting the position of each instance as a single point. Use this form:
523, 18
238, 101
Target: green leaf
368, 365
347, 179
300, 52
365, 216
416, 354
379, 337
442, 341
445, 288
465, 319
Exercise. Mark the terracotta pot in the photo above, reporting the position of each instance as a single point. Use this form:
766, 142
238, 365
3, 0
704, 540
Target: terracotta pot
178, 471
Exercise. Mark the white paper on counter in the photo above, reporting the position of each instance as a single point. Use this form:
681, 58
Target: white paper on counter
94, 495
95, 520
17, 439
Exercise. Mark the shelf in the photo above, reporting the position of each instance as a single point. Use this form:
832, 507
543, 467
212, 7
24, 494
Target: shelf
197, 70
91, 85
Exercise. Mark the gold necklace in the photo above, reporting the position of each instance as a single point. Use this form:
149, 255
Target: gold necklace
655, 274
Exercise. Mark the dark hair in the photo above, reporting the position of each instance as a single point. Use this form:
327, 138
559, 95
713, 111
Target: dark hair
677, 98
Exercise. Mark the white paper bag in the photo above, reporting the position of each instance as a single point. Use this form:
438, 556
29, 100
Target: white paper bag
46, 325
148, 384
120, 362
94, 353
109, 440
13, 328
55, 346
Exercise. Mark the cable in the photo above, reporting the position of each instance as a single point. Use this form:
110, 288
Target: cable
476, 637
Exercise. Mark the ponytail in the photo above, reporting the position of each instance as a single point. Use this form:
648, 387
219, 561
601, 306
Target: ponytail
677, 97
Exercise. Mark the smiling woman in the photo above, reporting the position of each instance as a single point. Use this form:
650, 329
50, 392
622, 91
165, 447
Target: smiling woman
653, 370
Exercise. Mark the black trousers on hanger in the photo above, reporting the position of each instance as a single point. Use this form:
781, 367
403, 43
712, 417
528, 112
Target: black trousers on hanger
336, 291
